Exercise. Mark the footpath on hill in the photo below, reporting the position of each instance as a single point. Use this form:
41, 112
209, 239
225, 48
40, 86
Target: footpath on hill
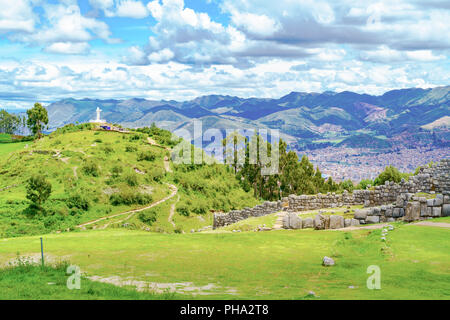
132, 212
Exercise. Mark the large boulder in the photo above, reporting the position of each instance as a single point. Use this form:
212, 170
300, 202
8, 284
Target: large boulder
412, 211
361, 214
347, 222
436, 212
373, 219
295, 222
336, 222
308, 223
439, 200
446, 210
354, 223
321, 222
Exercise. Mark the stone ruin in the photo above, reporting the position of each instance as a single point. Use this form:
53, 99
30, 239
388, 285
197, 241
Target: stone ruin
384, 203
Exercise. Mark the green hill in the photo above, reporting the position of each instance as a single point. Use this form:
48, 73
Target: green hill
104, 175
365, 141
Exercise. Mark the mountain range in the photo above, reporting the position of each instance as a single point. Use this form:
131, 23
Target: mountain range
305, 120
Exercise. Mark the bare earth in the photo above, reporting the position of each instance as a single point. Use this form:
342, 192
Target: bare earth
433, 224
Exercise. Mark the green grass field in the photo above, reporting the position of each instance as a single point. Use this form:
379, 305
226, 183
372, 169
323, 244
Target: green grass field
284, 264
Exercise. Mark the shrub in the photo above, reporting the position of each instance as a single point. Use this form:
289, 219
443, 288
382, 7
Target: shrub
90, 168
107, 149
390, 173
129, 197
131, 179
146, 155
130, 148
98, 140
148, 217
38, 190
116, 171
78, 201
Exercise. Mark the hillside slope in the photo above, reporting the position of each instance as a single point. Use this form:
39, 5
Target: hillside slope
97, 174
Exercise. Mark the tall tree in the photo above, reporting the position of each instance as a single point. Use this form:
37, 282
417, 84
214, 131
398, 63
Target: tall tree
37, 118
9, 123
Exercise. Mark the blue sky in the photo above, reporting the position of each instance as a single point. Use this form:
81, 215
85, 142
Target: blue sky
175, 49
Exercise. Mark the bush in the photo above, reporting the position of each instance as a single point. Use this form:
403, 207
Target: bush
129, 197
78, 201
130, 148
146, 155
131, 179
390, 173
116, 171
90, 168
148, 217
38, 190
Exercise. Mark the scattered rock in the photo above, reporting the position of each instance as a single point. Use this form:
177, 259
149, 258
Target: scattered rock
327, 262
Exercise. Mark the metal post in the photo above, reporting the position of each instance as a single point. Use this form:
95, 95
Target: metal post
42, 253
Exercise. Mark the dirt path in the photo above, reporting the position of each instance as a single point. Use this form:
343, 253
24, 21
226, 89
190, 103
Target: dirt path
131, 212
172, 212
75, 172
433, 224
279, 222
369, 227
167, 164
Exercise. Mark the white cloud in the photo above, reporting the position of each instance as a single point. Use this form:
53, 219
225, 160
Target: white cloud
260, 25
68, 48
16, 16
66, 30
131, 9
161, 56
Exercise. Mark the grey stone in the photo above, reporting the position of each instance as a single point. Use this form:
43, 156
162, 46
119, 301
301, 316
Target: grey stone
373, 219
390, 220
423, 209
376, 211
412, 211
336, 222
295, 222
327, 262
354, 223
308, 223
388, 212
446, 210
360, 214
439, 200
436, 211
347, 222
396, 212
430, 202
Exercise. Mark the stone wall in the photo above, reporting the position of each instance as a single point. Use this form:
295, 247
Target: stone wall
408, 207
435, 179
224, 219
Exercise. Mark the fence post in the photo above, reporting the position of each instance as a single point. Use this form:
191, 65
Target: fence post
42, 253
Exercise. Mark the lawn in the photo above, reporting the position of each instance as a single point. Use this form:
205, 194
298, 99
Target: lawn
50, 282
285, 264
7, 148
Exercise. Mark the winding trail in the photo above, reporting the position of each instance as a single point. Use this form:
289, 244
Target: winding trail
172, 212
131, 212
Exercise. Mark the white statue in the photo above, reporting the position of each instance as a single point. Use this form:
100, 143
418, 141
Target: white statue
98, 120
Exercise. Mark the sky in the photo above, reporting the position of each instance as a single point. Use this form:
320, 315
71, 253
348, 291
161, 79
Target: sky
175, 49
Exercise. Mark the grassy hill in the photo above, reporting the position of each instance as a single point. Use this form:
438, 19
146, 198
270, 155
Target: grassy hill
97, 174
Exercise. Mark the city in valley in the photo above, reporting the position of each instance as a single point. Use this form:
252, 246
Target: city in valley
364, 163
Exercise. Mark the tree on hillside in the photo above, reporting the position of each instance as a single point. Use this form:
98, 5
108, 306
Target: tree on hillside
38, 190
390, 173
37, 118
9, 123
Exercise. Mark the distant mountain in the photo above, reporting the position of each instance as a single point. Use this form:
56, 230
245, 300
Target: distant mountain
303, 118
